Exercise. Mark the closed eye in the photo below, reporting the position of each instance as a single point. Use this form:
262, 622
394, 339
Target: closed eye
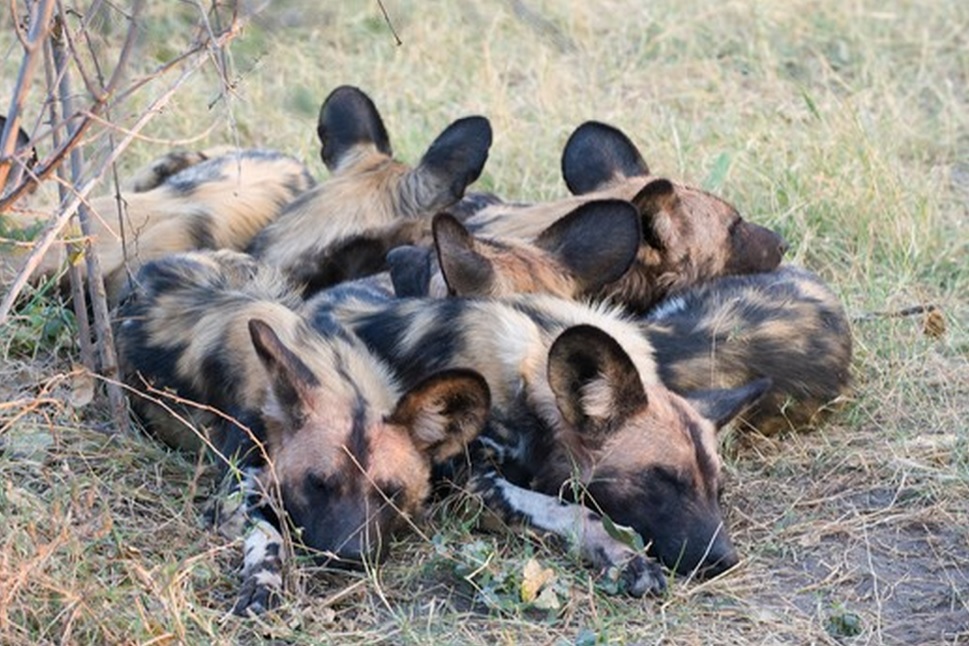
392, 493
671, 476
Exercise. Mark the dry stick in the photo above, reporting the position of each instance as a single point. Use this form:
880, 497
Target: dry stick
64, 213
393, 31
95, 278
39, 24
54, 62
44, 170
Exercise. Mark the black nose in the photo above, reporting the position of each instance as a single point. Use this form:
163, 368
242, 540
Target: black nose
712, 568
353, 554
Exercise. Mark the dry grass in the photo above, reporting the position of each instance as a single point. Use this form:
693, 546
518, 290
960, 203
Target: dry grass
843, 124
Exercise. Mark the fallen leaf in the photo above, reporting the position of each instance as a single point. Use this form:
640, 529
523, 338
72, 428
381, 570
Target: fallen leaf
534, 578
82, 389
934, 324
547, 600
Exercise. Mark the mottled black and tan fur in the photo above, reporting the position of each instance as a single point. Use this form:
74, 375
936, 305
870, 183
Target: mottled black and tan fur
307, 415
786, 324
577, 412
688, 235
180, 202
372, 202
572, 258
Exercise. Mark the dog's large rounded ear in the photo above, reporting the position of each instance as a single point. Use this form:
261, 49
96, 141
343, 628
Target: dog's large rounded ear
723, 405
348, 119
452, 163
465, 271
445, 412
656, 202
595, 383
292, 382
597, 242
598, 154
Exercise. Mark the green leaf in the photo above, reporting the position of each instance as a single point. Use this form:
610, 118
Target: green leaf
623, 534
811, 105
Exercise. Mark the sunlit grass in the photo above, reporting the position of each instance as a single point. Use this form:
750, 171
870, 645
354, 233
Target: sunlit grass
843, 125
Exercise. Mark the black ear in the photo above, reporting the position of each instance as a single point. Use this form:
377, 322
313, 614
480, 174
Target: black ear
348, 118
445, 412
466, 272
410, 270
291, 380
597, 242
451, 164
597, 154
655, 202
595, 383
721, 406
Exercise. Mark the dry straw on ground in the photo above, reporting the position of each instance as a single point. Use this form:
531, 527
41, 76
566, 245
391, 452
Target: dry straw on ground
843, 125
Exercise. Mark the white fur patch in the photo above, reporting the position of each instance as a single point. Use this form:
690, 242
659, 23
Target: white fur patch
598, 400
260, 537
578, 525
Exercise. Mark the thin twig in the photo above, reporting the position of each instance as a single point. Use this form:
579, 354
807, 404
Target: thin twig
45, 169
913, 310
57, 67
63, 214
95, 278
39, 24
393, 31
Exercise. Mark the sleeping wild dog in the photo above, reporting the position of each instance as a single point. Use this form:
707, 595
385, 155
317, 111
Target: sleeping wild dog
371, 203
308, 418
785, 324
688, 235
183, 201
573, 258
580, 425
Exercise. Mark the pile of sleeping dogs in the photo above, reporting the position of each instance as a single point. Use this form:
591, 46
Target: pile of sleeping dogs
353, 343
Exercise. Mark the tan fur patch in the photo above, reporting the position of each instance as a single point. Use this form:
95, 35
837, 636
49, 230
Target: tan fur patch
362, 196
143, 226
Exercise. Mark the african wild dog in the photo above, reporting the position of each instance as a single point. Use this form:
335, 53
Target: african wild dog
372, 203
574, 257
308, 415
688, 235
577, 412
180, 202
786, 324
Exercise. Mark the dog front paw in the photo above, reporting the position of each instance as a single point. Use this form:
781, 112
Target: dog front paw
640, 576
260, 592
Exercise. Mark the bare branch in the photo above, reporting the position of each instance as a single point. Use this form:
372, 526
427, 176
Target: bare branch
44, 170
389, 24
39, 26
95, 278
56, 78
64, 213
16, 24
